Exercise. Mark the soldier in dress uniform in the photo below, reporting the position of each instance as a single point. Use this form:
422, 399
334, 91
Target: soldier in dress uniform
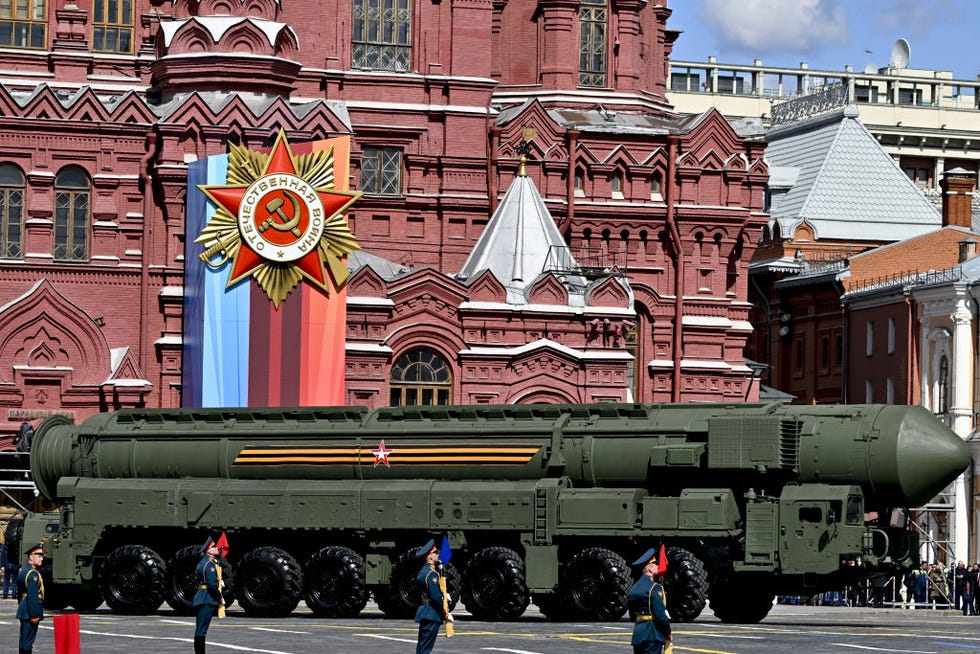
431, 613
30, 589
208, 595
647, 603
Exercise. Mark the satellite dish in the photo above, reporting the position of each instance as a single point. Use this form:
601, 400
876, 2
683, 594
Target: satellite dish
901, 52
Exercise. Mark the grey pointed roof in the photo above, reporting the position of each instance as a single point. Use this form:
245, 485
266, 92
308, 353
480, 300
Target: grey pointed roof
516, 242
843, 183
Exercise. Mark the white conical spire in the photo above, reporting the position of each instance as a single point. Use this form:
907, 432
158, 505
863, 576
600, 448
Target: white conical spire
516, 242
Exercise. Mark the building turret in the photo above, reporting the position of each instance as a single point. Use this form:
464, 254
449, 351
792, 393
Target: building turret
217, 46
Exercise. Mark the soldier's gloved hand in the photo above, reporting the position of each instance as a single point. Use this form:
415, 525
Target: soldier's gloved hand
450, 618
449, 598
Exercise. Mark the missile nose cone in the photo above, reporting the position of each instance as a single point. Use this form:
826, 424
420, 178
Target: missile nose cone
930, 456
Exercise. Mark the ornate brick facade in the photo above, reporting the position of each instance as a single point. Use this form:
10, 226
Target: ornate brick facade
676, 201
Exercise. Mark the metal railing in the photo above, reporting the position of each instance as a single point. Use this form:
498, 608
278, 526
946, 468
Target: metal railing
587, 262
908, 278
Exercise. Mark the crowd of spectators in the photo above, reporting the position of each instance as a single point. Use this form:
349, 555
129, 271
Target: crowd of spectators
931, 586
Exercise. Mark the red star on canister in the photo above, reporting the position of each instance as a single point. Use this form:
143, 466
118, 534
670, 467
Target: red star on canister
381, 455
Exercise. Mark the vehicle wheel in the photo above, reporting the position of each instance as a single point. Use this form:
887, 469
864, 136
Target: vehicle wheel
735, 600
495, 588
56, 596
685, 585
269, 583
595, 586
335, 585
134, 580
84, 599
182, 582
12, 536
401, 597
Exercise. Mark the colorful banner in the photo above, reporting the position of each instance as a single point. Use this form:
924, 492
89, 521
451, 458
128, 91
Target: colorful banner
252, 343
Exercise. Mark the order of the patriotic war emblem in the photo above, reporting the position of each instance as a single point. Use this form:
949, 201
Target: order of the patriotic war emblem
279, 219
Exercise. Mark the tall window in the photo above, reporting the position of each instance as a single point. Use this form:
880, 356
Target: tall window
420, 377
71, 214
23, 23
616, 185
112, 26
382, 35
942, 387
381, 171
11, 212
592, 16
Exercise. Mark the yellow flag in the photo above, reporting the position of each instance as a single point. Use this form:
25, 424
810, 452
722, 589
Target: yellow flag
450, 628
221, 589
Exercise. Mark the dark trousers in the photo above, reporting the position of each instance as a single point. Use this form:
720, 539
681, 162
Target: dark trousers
428, 630
28, 632
968, 603
648, 647
10, 583
204, 614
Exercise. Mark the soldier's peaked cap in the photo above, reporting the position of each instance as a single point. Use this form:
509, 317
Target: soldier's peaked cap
648, 556
427, 548
37, 548
208, 542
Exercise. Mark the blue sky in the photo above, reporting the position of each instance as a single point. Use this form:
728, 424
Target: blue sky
827, 34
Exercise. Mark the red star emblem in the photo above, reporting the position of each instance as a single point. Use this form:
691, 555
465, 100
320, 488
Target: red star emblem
284, 211
381, 455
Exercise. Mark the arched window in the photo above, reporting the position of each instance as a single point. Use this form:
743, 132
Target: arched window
579, 189
655, 190
420, 377
942, 387
616, 185
592, 16
11, 212
72, 193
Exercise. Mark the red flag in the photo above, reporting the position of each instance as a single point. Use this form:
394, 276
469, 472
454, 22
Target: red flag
222, 544
662, 561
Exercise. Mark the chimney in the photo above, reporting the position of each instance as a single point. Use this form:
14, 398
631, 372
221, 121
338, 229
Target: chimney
968, 249
957, 186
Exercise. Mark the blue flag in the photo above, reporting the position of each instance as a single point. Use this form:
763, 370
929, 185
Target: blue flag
444, 552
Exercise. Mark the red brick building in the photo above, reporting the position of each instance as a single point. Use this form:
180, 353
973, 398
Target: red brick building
102, 107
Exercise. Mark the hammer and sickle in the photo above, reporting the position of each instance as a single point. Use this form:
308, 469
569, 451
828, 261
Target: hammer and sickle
274, 207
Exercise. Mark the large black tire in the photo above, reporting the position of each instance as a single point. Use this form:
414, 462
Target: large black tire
56, 596
133, 580
269, 583
12, 536
685, 585
402, 596
594, 586
494, 588
738, 601
182, 583
335, 586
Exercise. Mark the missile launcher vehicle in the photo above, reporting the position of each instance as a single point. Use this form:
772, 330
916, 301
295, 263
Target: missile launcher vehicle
539, 503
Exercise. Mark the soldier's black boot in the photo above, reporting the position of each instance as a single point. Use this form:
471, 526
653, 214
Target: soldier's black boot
199, 645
